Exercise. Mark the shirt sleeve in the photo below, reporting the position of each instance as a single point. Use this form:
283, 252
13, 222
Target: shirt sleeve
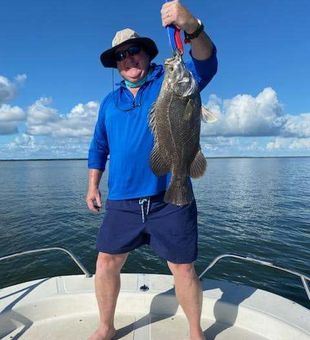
99, 148
203, 70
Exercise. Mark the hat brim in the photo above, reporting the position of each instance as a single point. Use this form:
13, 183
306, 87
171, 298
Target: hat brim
108, 59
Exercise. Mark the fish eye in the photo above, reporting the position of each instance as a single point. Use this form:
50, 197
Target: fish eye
170, 68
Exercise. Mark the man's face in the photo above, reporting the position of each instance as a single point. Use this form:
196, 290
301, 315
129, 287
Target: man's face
133, 67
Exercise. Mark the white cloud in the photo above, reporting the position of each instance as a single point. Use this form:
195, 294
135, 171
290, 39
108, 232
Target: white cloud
40, 114
11, 113
254, 146
45, 120
8, 89
220, 142
27, 146
22, 147
261, 116
20, 78
297, 126
289, 143
301, 143
10, 116
245, 115
52, 134
23, 141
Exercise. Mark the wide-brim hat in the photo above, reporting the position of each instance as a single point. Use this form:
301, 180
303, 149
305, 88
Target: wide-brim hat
123, 37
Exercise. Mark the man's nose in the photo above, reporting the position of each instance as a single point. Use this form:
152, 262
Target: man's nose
130, 57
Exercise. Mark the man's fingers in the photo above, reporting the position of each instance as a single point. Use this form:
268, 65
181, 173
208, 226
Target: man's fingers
98, 202
90, 205
93, 205
170, 12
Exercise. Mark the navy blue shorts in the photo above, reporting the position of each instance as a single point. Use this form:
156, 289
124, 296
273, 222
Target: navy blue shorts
170, 230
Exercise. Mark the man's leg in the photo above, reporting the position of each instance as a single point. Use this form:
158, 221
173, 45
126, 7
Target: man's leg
189, 295
107, 286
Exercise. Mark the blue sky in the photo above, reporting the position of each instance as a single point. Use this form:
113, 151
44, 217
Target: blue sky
51, 80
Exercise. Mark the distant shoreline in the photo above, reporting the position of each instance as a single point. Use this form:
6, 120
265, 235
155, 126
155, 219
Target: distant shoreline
85, 159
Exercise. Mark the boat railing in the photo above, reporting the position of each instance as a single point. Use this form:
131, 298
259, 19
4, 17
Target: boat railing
304, 279
73, 257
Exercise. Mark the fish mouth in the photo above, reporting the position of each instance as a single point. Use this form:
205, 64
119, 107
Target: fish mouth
169, 61
177, 57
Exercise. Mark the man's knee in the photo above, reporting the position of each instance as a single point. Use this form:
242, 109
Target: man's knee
183, 269
110, 262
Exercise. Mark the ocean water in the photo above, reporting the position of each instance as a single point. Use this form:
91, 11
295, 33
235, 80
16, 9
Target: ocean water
257, 207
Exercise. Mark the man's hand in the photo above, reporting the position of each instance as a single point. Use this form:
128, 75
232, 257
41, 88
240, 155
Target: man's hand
93, 199
173, 12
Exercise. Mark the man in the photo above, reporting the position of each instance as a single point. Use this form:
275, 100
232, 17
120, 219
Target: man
135, 211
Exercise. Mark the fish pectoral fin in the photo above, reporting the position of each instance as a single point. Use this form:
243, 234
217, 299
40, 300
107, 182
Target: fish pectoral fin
198, 166
191, 89
207, 116
159, 164
189, 110
184, 80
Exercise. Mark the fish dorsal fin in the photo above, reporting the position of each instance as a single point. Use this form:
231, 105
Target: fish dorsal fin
207, 116
198, 166
152, 119
159, 164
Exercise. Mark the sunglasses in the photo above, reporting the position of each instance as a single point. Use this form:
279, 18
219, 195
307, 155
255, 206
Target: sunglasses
122, 55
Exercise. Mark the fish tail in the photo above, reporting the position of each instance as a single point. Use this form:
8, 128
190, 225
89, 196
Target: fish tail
179, 192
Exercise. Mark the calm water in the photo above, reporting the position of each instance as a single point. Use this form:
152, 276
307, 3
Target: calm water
251, 207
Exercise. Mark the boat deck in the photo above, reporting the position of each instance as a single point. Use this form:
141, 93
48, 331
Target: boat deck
65, 308
129, 328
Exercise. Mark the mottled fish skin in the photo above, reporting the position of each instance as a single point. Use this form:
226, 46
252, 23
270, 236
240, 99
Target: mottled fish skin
175, 122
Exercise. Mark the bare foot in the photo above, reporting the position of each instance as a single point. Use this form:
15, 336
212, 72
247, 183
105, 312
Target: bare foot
197, 336
103, 334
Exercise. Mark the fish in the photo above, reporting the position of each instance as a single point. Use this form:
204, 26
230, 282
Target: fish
175, 121
208, 116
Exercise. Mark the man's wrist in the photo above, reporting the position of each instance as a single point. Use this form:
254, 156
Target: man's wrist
192, 26
195, 34
93, 187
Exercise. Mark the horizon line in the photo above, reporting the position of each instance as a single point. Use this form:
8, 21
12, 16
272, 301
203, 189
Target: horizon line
85, 159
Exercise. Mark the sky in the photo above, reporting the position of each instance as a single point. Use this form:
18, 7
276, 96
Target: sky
52, 82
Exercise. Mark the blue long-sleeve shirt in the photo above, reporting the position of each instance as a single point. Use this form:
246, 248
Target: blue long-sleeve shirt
122, 132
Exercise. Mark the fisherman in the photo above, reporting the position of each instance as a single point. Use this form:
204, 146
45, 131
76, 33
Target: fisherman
135, 211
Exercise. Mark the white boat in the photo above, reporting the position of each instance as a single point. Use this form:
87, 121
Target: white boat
64, 307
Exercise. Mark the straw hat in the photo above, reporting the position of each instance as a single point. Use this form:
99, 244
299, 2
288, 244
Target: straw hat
123, 37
